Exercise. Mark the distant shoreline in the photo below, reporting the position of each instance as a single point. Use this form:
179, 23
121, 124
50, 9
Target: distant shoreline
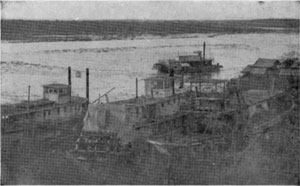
111, 38
25, 31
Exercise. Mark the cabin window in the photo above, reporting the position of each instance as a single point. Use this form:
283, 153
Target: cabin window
162, 105
58, 111
55, 91
49, 112
50, 90
174, 100
137, 110
61, 91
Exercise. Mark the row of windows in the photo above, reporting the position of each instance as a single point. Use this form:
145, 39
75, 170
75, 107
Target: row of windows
65, 109
60, 91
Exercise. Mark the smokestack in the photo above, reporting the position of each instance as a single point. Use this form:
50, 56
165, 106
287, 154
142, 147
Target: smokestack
204, 51
69, 76
70, 82
87, 84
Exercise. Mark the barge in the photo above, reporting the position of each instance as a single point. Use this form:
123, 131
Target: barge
120, 123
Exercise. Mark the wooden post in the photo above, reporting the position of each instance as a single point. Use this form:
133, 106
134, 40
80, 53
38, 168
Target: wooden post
29, 93
182, 81
173, 86
136, 88
87, 84
272, 87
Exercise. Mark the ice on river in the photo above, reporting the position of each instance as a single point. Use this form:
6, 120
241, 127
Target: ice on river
116, 63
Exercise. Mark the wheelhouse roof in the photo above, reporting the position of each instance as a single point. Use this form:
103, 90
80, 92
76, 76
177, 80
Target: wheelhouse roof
56, 85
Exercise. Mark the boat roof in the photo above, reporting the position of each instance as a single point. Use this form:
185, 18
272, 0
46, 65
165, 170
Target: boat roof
56, 85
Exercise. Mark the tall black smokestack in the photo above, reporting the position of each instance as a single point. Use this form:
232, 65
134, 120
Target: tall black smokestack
204, 51
87, 84
69, 76
70, 82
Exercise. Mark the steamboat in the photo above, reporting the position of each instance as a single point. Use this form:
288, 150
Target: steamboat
56, 109
187, 64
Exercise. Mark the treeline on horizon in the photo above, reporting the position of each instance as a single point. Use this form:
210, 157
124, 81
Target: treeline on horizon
33, 29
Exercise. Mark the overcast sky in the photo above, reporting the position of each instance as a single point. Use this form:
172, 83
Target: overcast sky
159, 10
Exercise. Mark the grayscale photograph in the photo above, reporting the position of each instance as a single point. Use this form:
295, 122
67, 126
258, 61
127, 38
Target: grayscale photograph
150, 92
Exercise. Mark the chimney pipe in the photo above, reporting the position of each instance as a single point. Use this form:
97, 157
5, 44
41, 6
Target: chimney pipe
87, 84
136, 88
204, 51
69, 76
70, 82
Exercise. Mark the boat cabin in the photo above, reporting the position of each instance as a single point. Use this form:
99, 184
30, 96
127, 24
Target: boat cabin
211, 94
163, 86
59, 93
57, 105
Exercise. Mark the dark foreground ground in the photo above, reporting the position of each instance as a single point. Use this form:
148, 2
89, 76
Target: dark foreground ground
252, 155
47, 31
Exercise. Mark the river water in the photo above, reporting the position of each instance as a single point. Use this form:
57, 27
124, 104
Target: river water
116, 63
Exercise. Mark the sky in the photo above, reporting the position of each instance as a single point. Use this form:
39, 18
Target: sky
150, 10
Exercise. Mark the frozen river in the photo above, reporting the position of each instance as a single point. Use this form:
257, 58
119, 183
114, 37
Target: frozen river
117, 63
